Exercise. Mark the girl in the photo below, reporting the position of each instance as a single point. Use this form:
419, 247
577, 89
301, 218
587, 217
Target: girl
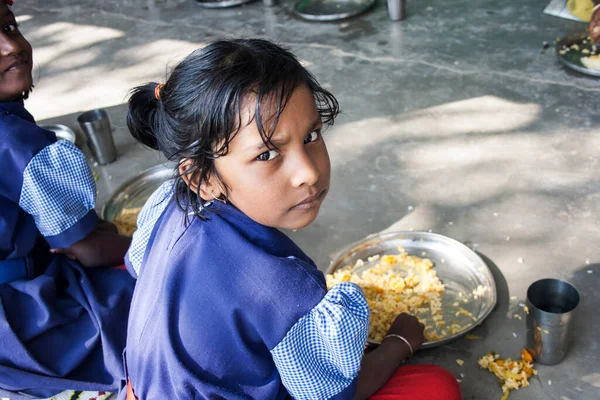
226, 306
62, 326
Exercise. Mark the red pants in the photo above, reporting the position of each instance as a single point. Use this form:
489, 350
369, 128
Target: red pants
412, 382
420, 382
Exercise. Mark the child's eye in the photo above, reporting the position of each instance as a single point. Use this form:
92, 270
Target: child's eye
267, 155
11, 27
311, 137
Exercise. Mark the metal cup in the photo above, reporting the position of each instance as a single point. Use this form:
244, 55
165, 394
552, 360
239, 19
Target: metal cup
551, 304
95, 124
396, 9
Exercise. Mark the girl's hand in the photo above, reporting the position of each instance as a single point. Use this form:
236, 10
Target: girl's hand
380, 364
594, 27
409, 328
65, 252
101, 248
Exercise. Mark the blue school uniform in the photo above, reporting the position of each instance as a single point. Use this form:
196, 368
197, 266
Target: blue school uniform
230, 309
62, 326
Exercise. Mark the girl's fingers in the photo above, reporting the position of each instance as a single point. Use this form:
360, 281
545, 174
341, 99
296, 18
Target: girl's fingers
64, 253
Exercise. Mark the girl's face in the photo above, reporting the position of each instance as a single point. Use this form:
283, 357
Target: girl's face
15, 58
281, 188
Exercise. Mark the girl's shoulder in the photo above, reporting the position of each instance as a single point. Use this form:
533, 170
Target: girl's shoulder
228, 257
15, 108
19, 131
262, 254
227, 254
266, 259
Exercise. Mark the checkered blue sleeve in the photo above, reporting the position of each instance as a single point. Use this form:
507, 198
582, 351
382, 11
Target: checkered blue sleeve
146, 220
320, 355
60, 193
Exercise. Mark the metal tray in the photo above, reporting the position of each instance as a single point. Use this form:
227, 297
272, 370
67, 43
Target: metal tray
222, 4
458, 267
331, 10
572, 59
136, 191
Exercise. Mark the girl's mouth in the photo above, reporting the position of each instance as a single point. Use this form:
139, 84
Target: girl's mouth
16, 65
310, 201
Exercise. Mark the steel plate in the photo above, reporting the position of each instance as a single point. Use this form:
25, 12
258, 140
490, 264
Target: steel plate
331, 10
572, 59
460, 269
61, 132
222, 3
135, 192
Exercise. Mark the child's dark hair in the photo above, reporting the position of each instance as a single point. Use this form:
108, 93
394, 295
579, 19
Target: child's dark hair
196, 114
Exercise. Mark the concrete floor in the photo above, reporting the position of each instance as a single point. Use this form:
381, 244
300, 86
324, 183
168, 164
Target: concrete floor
455, 120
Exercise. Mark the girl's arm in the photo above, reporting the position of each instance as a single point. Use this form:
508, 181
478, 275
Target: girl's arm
103, 247
107, 226
379, 365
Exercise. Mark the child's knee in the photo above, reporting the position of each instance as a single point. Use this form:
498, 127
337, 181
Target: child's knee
423, 382
442, 384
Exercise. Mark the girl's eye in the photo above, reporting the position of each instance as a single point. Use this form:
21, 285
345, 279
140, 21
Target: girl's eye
311, 137
267, 155
11, 28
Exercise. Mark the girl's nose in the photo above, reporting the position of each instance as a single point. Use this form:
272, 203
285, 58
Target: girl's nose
8, 46
305, 172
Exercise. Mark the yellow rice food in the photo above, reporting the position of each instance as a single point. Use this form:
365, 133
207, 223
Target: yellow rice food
126, 221
396, 284
512, 374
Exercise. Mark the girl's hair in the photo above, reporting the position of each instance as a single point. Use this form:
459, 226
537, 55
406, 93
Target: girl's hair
197, 112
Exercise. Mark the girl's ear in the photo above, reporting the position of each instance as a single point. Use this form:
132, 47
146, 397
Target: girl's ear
206, 190
190, 178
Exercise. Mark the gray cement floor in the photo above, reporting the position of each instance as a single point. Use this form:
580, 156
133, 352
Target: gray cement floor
455, 120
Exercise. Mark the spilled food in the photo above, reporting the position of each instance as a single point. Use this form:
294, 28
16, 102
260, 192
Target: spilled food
513, 375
